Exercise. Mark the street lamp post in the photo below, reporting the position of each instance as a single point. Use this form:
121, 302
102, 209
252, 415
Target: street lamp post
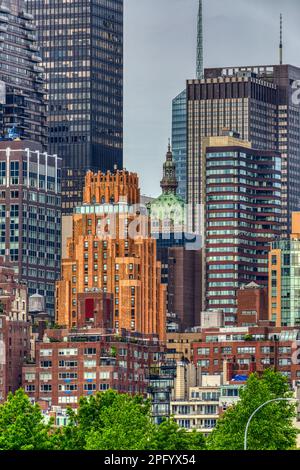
254, 413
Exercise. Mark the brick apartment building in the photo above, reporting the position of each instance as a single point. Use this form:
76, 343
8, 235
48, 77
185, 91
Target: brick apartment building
249, 349
14, 330
70, 364
102, 254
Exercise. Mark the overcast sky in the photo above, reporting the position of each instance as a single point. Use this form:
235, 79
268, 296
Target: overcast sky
160, 54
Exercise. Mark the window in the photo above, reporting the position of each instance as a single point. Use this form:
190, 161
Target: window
226, 350
285, 362
103, 387
267, 349
67, 375
203, 363
68, 352
67, 363
89, 387
90, 375
46, 388
67, 399
45, 352
45, 376
67, 388
285, 350
104, 375
14, 172
30, 376
246, 350
89, 364
45, 364
203, 351
90, 351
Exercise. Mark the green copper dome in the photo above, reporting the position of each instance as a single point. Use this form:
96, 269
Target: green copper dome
168, 206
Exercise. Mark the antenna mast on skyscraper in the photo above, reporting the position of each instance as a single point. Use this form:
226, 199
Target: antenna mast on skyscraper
200, 71
281, 42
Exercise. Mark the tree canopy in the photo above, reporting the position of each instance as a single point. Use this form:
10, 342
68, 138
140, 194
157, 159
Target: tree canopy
22, 426
114, 421
270, 429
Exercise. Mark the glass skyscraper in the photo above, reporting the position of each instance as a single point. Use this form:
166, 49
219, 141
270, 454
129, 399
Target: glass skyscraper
179, 141
284, 278
22, 91
81, 43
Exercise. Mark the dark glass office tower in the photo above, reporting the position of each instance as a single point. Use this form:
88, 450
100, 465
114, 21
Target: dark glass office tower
257, 103
22, 91
82, 49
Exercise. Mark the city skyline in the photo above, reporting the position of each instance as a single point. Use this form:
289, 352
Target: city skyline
150, 87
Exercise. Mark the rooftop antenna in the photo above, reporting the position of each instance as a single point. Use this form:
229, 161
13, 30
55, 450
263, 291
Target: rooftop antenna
200, 71
281, 42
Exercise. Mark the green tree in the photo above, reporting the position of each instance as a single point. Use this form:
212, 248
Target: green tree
108, 421
168, 436
22, 426
271, 429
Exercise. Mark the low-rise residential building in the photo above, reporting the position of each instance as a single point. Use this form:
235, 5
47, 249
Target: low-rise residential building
14, 330
199, 400
249, 349
74, 363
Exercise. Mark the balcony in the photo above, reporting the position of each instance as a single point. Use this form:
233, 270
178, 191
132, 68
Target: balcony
30, 26
34, 47
3, 18
31, 37
34, 57
108, 361
4, 9
36, 68
26, 15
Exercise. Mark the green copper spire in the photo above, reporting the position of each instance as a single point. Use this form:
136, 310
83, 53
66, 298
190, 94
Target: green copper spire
169, 183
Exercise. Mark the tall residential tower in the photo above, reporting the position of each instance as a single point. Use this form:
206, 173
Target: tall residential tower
22, 100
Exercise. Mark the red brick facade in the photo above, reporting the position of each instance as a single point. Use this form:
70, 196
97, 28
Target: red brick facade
14, 330
249, 350
86, 362
252, 305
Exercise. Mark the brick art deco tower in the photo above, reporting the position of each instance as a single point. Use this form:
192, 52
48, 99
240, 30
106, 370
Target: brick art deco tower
104, 255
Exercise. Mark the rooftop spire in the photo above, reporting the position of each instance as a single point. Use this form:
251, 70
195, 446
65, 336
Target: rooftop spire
169, 182
281, 42
200, 71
